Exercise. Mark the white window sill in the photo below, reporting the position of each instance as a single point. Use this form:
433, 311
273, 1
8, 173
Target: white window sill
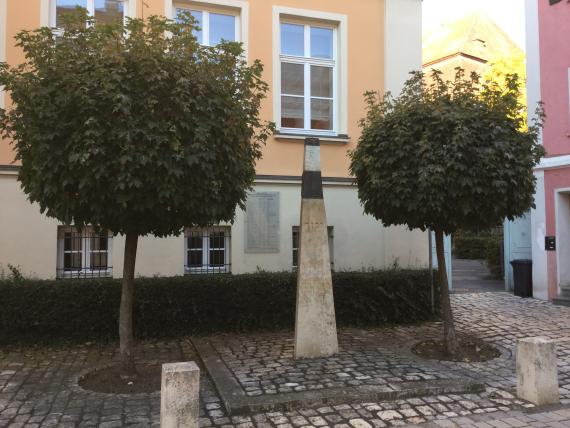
205, 271
324, 138
85, 274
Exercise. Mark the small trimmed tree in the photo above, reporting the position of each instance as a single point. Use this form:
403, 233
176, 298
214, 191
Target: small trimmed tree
447, 155
134, 129
500, 71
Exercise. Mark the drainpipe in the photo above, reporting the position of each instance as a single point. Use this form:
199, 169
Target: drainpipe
431, 282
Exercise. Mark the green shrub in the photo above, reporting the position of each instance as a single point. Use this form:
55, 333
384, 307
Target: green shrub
81, 310
493, 256
470, 247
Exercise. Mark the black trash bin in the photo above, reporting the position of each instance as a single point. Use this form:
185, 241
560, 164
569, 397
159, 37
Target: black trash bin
522, 276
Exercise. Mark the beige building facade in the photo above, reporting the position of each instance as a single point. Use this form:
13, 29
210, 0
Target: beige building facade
320, 56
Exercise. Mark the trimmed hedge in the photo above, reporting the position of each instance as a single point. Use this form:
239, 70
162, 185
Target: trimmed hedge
82, 310
470, 247
493, 256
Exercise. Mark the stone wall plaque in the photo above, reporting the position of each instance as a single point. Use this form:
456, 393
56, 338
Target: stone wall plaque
262, 222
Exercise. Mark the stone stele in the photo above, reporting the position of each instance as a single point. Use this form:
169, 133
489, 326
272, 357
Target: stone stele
537, 371
179, 395
315, 324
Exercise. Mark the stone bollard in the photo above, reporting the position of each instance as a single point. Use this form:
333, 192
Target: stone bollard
179, 392
537, 371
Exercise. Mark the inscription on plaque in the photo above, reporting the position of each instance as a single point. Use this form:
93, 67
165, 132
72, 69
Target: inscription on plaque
262, 223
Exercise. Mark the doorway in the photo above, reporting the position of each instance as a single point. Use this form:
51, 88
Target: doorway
563, 239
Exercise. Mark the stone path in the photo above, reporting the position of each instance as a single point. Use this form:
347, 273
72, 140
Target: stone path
473, 276
38, 386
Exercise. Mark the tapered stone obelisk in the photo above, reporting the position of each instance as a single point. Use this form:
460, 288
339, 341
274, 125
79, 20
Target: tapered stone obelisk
315, 324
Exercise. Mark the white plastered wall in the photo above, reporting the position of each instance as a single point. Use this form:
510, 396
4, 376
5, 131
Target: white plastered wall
402, 42
403, 54
359, 240
155, 256
538, 214
28, 239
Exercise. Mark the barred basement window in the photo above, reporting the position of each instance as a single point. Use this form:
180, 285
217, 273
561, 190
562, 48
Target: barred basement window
207, 250
330, 231
83, 254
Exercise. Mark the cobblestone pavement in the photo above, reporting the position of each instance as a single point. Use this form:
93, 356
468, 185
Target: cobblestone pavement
38, 386
552, 418
263, 364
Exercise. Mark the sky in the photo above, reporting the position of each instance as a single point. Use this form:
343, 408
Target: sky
507, 14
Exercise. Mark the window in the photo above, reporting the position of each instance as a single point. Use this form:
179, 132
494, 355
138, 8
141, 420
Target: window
83, 254
330, 232
308, 78
208, 250
213, 27
104, 11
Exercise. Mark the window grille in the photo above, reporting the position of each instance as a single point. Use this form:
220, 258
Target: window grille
83, 253
208, 250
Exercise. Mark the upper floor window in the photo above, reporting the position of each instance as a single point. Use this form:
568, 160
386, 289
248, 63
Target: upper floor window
104, 11
213, 27
83, 253
308, 78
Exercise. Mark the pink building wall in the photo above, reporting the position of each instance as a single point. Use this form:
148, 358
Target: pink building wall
553, 49
554, 31
554, 180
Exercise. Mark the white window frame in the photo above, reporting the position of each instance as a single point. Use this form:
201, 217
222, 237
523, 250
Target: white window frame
85, 271
330, 236
237, 8
204, 234
307, 61
90, 9
206, 22
313, 18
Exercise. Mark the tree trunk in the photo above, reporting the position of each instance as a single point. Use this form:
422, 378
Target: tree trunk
126, 336
448, 324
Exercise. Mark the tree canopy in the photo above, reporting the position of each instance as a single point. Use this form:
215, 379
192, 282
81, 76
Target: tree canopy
136, 128
447, 154
500, 70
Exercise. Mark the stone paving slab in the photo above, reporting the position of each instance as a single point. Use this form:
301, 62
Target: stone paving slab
258, 372
38, 386
552, 417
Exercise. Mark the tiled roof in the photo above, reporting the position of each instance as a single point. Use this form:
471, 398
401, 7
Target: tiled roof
475, 35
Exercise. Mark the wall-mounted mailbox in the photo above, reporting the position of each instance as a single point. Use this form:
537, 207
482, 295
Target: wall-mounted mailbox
550, 243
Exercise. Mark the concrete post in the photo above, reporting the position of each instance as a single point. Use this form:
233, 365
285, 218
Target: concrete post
315, 324
537, 371
179, 392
